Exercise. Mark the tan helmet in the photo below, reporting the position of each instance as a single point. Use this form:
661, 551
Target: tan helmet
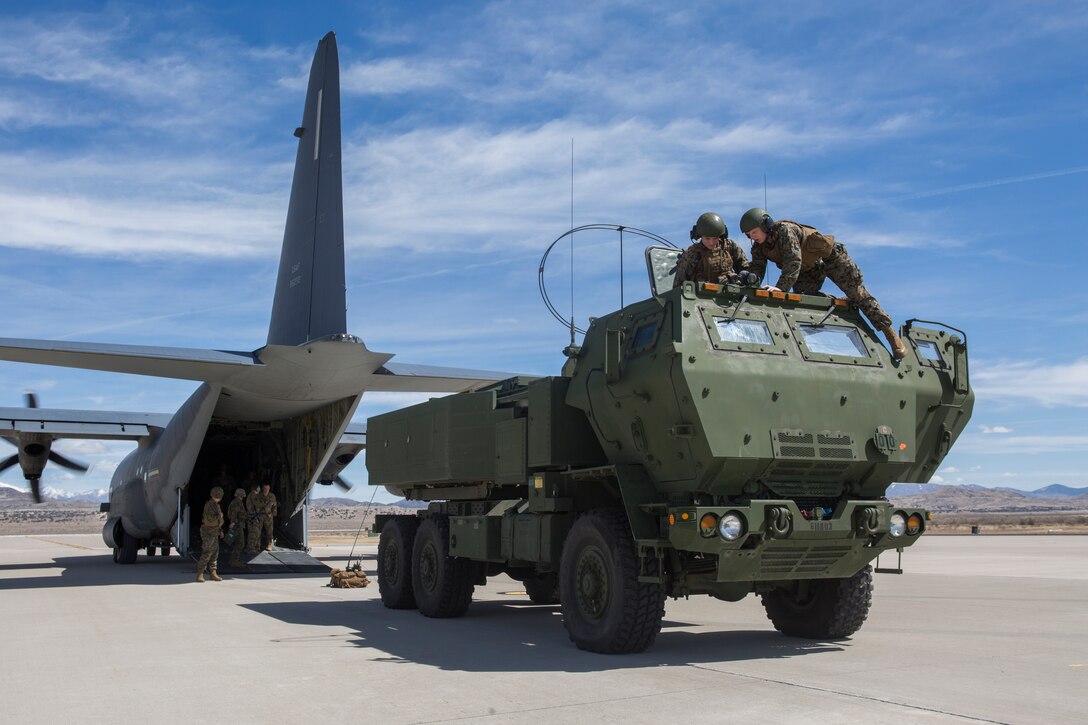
217, 492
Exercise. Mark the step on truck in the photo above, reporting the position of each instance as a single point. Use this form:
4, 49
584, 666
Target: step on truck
711, 439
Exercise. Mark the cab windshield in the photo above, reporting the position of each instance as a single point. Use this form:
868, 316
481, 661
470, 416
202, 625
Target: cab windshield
833, 340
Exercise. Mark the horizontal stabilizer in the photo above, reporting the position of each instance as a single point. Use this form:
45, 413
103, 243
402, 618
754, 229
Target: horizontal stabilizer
164, 362
406, 377
98, 424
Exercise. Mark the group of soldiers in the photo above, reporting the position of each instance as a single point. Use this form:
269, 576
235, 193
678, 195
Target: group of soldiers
805, 257
250, 523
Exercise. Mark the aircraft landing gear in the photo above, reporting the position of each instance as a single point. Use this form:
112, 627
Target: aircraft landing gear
130, 547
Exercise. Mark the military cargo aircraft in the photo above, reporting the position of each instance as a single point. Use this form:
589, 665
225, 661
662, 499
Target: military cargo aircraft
282, 411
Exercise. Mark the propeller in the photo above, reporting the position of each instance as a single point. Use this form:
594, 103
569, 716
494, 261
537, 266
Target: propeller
343, 483
33, 448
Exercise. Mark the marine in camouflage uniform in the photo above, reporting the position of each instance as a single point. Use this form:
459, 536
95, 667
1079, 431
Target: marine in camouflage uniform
211, 530
697, 263
237, 514
265, 505
252, 521
806, 258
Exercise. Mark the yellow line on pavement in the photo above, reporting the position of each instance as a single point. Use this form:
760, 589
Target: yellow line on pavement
61, 543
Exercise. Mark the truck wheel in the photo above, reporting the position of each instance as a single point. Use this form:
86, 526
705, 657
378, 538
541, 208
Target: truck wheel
130, 547
821, 608
543, 588
442, 583
395, 563
605, 608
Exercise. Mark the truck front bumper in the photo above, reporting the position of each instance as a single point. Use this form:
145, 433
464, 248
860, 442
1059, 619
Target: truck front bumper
776, 540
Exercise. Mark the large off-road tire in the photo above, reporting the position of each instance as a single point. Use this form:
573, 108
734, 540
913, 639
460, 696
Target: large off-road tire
443, 584
130, 547
605, 608
821, 608
395, 563
543, 588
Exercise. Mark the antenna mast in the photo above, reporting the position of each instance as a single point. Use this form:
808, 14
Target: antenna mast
572, 242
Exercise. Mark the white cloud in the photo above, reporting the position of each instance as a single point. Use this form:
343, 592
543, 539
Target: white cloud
1022, 445
395, 75
1048, 384
995, 429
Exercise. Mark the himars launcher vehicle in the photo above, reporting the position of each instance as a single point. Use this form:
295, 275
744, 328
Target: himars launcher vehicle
708, 440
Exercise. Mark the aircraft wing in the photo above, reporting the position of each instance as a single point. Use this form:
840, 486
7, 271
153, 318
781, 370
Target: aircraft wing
99, 424
163, 362
406, 377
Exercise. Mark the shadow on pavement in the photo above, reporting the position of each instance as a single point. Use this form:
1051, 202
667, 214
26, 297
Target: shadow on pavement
497, 636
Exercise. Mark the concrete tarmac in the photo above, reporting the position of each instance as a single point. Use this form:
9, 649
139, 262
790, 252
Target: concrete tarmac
979, 629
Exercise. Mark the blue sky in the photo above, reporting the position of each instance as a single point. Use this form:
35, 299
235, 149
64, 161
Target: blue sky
146, 154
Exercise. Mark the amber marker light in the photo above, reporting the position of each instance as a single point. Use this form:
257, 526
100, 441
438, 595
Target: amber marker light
684, 516
708, 525
902, 446
914, 524
672, 519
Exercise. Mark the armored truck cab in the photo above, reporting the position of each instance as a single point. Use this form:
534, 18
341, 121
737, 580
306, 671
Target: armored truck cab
707, 440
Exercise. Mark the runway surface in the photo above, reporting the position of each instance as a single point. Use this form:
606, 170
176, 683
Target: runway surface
979, 629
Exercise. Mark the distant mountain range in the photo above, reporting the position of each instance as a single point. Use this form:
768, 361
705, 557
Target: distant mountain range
935, 497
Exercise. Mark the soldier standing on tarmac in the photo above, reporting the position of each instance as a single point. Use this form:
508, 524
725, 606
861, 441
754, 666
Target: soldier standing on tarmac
806, 258
714, 257
266, 506
211, 530
253, 525
237, 514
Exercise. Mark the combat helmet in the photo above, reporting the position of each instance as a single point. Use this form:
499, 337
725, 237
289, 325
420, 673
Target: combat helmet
239, 492
755, 217
217, 492
709, 225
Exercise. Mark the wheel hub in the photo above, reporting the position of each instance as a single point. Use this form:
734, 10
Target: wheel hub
593, 590
428, 567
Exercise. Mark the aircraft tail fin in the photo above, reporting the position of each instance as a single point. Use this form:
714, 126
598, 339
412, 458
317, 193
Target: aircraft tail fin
309, 303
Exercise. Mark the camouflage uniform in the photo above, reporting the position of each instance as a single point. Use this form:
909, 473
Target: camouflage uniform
699, 264
210, 525
237, 514
265, 505
253, 524
806, 276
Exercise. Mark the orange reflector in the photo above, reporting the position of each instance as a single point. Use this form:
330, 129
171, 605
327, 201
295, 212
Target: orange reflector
685, 516
841, 302
762, 293
672, 519
711, 287
793, 297
914, 524
902, 446
778, 295
709, 521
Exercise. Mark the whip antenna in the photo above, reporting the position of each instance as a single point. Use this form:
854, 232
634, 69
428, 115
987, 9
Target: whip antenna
572, 242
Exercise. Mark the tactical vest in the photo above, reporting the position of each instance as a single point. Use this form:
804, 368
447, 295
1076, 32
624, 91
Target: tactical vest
815, 247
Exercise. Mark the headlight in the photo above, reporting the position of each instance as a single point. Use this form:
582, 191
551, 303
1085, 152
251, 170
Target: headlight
731, 527
708, 524
898, 524
914, 524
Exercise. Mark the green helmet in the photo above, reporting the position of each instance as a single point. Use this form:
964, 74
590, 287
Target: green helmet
709, 225
239, 492
217, 492
755, 217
